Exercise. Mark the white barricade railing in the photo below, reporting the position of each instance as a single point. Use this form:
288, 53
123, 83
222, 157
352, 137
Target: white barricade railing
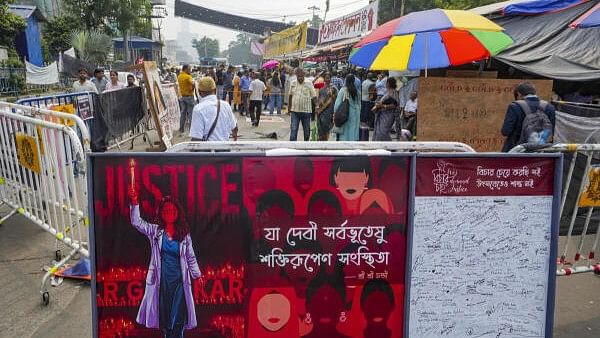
55, 117
42, 177
581, 262
312, 147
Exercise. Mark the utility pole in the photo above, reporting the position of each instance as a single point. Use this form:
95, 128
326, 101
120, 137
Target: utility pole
159, 12
314, 9
313, 21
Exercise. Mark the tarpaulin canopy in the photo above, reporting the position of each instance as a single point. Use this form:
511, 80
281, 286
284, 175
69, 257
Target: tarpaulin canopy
546, 46
540, 6
589, 19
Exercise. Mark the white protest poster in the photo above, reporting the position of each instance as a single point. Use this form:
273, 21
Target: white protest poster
172, 102
350, 25
482, 258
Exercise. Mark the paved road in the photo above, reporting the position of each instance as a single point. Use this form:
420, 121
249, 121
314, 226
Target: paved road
25, 249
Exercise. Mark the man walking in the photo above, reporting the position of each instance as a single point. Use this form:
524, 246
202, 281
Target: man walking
187, 102
526, 116
220, 73
228, 85
245, 86
212, 118
366, 115
302, 103
257, 88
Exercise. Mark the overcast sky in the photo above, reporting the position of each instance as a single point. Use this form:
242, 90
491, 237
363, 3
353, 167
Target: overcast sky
274, 10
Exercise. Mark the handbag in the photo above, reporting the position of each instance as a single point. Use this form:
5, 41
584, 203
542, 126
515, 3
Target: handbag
340, 116
212, 128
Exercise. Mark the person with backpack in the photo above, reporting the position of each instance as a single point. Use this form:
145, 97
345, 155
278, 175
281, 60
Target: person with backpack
528, 119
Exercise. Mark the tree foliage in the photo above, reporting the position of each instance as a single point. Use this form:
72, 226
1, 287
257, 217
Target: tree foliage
315, 22
10, 25
391, 9
106, 15
93, 14
238, 50
206, 47
132, 15
92, 46
58, 32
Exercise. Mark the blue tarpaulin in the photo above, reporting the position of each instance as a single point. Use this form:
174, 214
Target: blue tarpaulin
540, 7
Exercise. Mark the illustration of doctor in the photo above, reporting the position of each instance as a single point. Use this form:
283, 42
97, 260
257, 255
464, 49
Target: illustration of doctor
168, 303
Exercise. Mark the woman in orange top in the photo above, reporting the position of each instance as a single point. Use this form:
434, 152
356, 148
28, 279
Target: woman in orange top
237, 93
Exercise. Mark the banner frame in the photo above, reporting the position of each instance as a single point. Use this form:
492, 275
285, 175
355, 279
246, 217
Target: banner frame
411, 156
554, 229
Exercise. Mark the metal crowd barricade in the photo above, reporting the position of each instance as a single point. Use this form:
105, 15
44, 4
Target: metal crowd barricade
578, 230
314, 147
43, 177
141, 129
56, 117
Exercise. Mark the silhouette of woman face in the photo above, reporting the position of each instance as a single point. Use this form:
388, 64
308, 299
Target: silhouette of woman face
260, 179
299, 278
303, 176
351, 184
325, 306
275, 216
377, 308
321, 210
273, 311
169, 213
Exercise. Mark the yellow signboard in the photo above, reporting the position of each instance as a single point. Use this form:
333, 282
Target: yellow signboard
289, 40
65, 108
29, 157
591, 195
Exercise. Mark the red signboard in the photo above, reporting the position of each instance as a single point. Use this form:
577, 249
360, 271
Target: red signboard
481, 176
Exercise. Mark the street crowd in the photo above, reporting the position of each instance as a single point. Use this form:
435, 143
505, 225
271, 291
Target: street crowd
329, 105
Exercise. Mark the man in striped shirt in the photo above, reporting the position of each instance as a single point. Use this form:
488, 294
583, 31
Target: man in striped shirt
302, 101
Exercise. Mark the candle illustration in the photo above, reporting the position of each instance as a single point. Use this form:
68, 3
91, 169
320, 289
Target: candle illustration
132, 172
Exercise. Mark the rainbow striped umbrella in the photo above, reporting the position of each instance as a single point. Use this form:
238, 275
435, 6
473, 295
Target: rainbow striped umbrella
435, 38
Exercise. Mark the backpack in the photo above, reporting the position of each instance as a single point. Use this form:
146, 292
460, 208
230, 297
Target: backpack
536, 127
340, 116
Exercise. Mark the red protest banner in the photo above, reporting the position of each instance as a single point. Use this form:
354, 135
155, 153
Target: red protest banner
250, 246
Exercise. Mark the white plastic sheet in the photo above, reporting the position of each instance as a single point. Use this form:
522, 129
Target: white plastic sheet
41, 75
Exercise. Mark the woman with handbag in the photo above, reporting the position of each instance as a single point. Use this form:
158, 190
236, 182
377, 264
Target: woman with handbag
347, 111
386, 110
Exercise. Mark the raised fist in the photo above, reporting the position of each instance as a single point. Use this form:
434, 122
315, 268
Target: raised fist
133, 196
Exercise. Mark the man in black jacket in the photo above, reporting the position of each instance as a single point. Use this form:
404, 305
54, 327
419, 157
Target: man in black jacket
513, 121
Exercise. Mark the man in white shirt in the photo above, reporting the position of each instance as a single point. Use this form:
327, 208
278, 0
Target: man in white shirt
366, 115
83, 84
257, 89
212, 112
303, 100
409, 115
